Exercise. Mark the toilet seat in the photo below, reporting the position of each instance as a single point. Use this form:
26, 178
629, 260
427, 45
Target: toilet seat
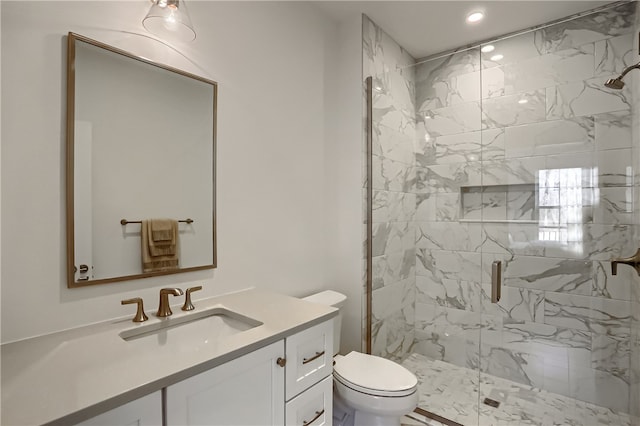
374, 375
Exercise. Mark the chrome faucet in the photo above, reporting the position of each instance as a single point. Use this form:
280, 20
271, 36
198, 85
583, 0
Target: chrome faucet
163, 308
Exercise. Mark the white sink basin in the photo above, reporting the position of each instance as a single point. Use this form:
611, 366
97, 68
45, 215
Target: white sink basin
209, 325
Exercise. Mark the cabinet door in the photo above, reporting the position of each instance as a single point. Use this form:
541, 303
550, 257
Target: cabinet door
309, 357
246, 391
146, 411
313, 407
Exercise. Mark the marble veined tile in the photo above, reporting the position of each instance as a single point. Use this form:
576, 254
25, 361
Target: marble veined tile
445, 178
453, 392
512, 49
393, 237
588, 29
379, 47
449, 293
448, 206
426, 205
520, 367
460, 118
614, 206
458, 148
441, 264
514, 110
448, 236
550, 137
598, 315
515, 305
613, 286
393, 298
613, 130
611, 354
539, 72
394, 145
615, 167
525, 170
549, 274
390, 175
505, 238
590, 241
446, 90
614, 55
393, 206
393, 336
392, 268
601, 388
442, 69
585, 98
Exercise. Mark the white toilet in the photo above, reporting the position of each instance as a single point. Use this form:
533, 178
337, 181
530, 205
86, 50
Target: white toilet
367, 390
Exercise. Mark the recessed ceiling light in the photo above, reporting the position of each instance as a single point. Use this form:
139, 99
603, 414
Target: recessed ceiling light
488, 48
523, 101
475, 17
497, 57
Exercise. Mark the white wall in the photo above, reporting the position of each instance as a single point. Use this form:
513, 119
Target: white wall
344, 222
271, 61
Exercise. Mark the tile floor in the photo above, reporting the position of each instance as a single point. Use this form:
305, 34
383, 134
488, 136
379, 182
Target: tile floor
453, 393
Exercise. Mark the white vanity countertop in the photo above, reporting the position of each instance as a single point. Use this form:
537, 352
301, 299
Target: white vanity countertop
70, 376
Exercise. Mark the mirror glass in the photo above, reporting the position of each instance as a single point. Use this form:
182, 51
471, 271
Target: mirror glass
140, 147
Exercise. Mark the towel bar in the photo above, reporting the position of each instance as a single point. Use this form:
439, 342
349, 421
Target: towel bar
125, 221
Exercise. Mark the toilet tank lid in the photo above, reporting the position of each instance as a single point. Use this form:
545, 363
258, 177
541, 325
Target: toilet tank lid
328, 298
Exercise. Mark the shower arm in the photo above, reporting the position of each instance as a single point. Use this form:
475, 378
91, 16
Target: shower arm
626, 71
633, 261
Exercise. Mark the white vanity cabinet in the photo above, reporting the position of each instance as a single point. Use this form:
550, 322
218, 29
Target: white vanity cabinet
146, 411
309, 380
251, 390
248, 390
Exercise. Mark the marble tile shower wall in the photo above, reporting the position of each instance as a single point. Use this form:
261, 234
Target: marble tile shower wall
527, 159
394, 204
634, 372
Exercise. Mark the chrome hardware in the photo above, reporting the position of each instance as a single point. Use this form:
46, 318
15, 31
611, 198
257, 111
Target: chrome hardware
163, 308
316, 356
188, 306
140, 315
633, 261
83, 279
496, 281
281, 362
84, 269
318, 414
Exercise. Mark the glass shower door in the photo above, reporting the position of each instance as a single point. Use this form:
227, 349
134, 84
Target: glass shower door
556, 205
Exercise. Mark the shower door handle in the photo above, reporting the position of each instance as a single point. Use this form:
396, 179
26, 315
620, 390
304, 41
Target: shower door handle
496, 281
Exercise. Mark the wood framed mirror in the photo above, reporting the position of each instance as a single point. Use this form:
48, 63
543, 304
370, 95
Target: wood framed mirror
140, 146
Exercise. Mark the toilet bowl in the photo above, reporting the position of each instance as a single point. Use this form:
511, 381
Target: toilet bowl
373, 391
367, 390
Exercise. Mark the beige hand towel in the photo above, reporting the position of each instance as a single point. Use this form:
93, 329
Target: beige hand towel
162, 230
163, 234
161, 262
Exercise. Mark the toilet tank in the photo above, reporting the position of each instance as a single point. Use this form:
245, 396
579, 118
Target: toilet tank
336, 300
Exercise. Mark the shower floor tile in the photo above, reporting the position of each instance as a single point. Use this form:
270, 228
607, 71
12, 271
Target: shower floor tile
455, 393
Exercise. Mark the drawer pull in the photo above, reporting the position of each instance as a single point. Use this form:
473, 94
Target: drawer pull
313, 358
318, 414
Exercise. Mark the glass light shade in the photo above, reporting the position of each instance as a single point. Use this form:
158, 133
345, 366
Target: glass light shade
169, 19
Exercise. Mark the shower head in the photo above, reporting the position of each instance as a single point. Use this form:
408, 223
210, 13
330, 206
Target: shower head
617, 83
614, 83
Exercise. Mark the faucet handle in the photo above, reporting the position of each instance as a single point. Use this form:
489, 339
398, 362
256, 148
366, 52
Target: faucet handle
140, 315
164, 310
188, 306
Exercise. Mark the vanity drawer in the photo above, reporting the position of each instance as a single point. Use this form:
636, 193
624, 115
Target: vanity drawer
313, 407
309, 356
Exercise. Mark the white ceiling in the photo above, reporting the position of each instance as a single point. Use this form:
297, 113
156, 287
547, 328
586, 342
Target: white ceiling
425, 28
